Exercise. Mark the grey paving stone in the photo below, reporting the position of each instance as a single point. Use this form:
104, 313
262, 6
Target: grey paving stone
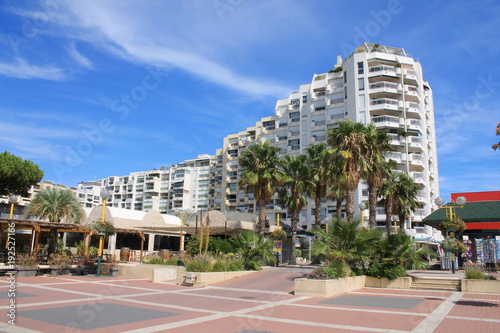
375, 301
95, 315
5, 295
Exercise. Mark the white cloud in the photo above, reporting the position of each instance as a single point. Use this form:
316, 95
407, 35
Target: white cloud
80, 58
23, 70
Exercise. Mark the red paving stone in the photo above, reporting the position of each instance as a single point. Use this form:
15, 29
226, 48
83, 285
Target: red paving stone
236, 324
238, 305
344, 317
467, 326
476, 309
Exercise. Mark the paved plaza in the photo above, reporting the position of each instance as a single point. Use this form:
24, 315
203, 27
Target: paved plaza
259, 302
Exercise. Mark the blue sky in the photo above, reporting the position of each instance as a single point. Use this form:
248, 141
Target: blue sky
99, 88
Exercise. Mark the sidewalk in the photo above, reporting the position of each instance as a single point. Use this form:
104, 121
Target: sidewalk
259, 302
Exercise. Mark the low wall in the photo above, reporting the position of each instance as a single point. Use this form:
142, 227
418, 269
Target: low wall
398, 283
202, 279
481, 286
327, 288
154, 273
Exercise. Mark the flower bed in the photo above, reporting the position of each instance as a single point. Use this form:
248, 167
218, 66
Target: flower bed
327, 288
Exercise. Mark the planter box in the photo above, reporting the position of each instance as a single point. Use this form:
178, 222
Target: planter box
58, 270
481, 286
26, 271
202, 279
398, 283
327, 288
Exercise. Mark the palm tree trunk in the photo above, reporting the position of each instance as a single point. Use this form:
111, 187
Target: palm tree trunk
388, 214
294, 220
262, 217
339, 209
52, 241
349, 206
317, 211
372, 205
402, 218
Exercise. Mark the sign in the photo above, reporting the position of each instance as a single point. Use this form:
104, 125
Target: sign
278, 246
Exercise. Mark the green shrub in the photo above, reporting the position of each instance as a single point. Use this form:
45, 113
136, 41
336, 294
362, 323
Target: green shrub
386, 269
163, 261
474, 271
198, 263
335, 270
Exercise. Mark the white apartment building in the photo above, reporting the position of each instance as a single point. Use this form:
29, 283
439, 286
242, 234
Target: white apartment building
177, 187
376, 84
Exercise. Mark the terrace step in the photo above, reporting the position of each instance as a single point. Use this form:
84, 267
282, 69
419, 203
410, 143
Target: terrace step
435, 284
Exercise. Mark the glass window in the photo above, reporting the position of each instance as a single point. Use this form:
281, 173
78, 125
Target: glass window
361, 83
361, 69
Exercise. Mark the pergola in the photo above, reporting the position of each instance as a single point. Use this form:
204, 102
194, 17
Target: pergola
37, 227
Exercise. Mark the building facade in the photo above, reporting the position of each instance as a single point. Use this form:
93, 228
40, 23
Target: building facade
177, 187
376, 84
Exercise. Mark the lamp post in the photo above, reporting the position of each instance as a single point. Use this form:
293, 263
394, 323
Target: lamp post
278, 211
104, 195
362, 207
327, 220
451, 214
182, 213
13, 199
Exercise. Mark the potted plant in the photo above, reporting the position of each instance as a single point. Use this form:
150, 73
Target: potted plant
26, 265
59, 264
453, 225
113, 266
278, 234
453, 245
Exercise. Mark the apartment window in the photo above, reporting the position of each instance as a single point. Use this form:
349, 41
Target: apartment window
361, 69
361, 83
304, 99
345, 92
345, 77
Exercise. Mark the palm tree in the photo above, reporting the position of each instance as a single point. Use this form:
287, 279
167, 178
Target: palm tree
402, 250
318, 160
350, 142
261, 175
388, 191
336, 192
55, 204
405, 198
293, 193
347, 242
254, 249
376, 167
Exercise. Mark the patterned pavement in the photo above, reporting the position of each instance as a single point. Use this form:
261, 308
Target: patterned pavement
255, 303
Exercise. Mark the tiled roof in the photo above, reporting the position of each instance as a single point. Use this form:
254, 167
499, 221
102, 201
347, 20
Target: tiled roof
479, 211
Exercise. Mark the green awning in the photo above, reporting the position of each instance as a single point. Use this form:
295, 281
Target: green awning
479, 211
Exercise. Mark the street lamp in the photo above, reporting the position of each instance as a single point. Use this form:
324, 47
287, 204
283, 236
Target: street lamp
13, 199
362, 207
451, 214
278, 211
182, 214
327, 220
104, 195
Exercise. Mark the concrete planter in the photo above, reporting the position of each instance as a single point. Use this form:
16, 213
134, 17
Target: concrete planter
202, 279
59, 270
28, 271
398, 283
481, 286
327, 288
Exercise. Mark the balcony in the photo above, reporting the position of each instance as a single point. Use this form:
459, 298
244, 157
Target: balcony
386, 121
381, 70
318, 123
414, 124
384, 104
383, 87
411, 93
293, 134
335, 102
